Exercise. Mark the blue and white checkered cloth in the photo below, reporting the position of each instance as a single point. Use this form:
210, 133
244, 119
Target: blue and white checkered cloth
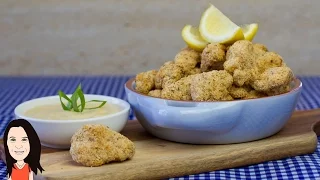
14, 90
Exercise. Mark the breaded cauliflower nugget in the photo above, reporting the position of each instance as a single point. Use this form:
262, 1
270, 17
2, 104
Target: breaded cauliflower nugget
155, 93
188, 55
194, 71
260, 47
188, 59
145, 81
95, 145
242, 77
168, 73
268, 60
247, 62
211, 86
253, 94
244, 92
239, 92
240, 58
213, 56
274, 81
179, 90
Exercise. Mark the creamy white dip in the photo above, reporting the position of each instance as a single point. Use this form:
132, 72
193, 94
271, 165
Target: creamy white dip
55, 112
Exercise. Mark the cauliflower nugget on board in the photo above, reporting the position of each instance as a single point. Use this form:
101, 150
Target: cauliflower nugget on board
145, 81
211, 86
95, 145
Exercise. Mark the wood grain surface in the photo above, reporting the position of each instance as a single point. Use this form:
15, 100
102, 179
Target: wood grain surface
157, 159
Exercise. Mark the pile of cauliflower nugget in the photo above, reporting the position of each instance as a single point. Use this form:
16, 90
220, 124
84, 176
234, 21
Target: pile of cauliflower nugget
243, 70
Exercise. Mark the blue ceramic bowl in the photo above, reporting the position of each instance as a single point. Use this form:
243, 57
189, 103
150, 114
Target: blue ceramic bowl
218, 122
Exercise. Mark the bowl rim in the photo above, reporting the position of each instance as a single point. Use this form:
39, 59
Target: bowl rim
123, 110
297, 86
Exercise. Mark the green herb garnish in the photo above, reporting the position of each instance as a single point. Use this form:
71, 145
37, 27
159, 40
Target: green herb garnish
73, 101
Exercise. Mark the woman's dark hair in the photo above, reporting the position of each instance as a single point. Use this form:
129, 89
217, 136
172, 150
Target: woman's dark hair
33, 158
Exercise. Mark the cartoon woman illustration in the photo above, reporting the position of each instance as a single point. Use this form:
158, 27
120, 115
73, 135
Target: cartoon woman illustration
22, 149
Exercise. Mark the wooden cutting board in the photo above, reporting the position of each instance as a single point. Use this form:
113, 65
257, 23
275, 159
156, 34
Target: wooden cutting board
156, 158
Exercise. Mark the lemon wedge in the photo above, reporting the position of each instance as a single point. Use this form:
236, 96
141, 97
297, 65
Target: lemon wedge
249, 31
215, 27
193, 39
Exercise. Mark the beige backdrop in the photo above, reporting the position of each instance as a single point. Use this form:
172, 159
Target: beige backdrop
126, 37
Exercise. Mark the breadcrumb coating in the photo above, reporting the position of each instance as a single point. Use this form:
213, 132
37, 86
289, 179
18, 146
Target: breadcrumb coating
95, 145
245, 92
155, 93
240, 56
179, 90
253, 94
274, 81
168, 74
261, 47
188, 59
188, 55
211, 86
250, 64
242, 77
268, 60
213, 56
239, 92
194, 71
242, 70
145, 81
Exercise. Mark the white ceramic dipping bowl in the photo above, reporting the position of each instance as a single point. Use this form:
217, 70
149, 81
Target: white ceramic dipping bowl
58, 133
